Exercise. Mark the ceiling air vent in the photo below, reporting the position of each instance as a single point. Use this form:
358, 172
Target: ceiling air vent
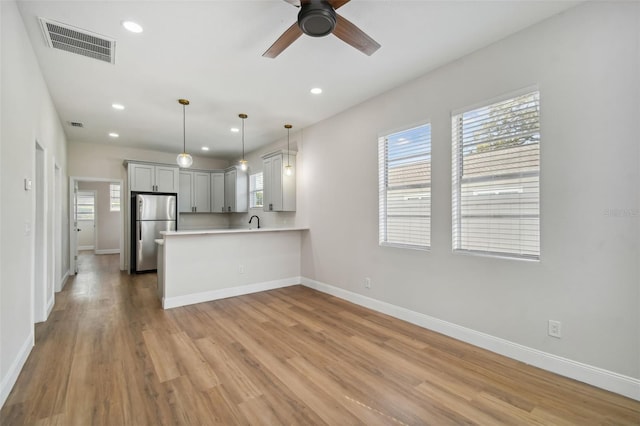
79, 41
75, 124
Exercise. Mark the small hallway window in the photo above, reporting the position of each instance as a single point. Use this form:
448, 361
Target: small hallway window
114, 197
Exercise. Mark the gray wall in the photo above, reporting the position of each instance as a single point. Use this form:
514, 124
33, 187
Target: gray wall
585, 63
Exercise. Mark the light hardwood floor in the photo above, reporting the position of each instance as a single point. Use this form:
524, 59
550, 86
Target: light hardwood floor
109, 355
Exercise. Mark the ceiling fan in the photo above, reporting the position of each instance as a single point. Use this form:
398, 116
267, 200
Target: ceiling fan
318, 18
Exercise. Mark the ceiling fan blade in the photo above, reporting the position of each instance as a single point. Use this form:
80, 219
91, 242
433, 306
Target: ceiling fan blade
350, 34
337, 3
295, 3
285, 40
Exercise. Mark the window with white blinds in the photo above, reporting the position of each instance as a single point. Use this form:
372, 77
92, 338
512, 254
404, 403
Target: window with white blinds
496, 186
404, 160
256, 190
85, 206
114, 197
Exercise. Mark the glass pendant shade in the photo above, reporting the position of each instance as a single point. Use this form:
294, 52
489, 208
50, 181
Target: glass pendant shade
288, 170
243, 165
184, 160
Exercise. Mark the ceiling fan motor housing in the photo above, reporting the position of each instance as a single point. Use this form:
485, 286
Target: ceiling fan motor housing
317, 19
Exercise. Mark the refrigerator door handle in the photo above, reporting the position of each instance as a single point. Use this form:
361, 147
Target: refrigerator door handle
140, 232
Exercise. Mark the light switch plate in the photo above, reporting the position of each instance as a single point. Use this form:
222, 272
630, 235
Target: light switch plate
27, 184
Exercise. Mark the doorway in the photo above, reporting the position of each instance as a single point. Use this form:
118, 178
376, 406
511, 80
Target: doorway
96, 218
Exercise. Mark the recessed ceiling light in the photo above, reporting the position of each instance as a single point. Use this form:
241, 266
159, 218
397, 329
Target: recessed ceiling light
205, 148
118, 106
316, 90
134, 27
114, 135
235, 129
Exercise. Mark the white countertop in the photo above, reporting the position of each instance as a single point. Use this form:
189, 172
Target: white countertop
228, 231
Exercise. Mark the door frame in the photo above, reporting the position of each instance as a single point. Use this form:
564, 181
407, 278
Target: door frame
42, 303
73, 252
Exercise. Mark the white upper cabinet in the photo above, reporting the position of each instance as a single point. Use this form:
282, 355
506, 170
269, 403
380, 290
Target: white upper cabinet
195, 192
217, 192
279, 188
236, 190
145, 177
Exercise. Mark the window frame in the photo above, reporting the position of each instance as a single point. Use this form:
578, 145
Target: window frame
112, 206
254, 191
457, 170
383, 205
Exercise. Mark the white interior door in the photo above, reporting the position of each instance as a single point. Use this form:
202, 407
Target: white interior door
86, 219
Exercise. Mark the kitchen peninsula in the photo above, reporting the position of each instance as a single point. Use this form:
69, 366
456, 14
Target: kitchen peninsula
202, 265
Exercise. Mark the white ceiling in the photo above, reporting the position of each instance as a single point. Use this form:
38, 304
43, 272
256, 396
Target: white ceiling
210, 53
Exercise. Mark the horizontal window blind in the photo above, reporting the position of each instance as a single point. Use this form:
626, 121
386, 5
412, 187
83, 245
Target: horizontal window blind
496, 187
256, 190
114, 197
405, 188
85, 206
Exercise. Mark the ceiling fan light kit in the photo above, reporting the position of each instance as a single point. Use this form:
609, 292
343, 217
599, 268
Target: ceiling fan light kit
318, 18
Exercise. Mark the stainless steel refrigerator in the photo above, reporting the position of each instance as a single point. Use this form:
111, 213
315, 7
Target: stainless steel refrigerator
153, 213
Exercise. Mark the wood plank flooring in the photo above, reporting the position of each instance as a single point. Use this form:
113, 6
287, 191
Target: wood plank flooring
109, 355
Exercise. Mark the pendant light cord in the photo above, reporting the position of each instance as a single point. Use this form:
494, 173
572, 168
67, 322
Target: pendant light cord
288, 149
243, 138
184, 130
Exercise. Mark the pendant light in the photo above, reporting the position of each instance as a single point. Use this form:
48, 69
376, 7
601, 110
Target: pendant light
243, 162
288, 170
184, 160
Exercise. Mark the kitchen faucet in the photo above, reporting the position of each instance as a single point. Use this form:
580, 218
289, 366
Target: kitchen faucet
256, 218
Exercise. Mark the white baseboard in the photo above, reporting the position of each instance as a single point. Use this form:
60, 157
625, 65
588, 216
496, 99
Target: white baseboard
595, 376
63, 281
108, 251
85, 248
50, 305
207, 296
14, 370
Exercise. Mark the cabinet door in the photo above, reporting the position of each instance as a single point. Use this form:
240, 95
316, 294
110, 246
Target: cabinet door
141, 177
230, 190
166, 179
185, 195
276, 183
217, 192
202, 192
289, 185
267, 169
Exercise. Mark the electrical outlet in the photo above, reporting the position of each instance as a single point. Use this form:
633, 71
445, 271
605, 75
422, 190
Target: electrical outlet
241, 269
367, 283
555, 329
